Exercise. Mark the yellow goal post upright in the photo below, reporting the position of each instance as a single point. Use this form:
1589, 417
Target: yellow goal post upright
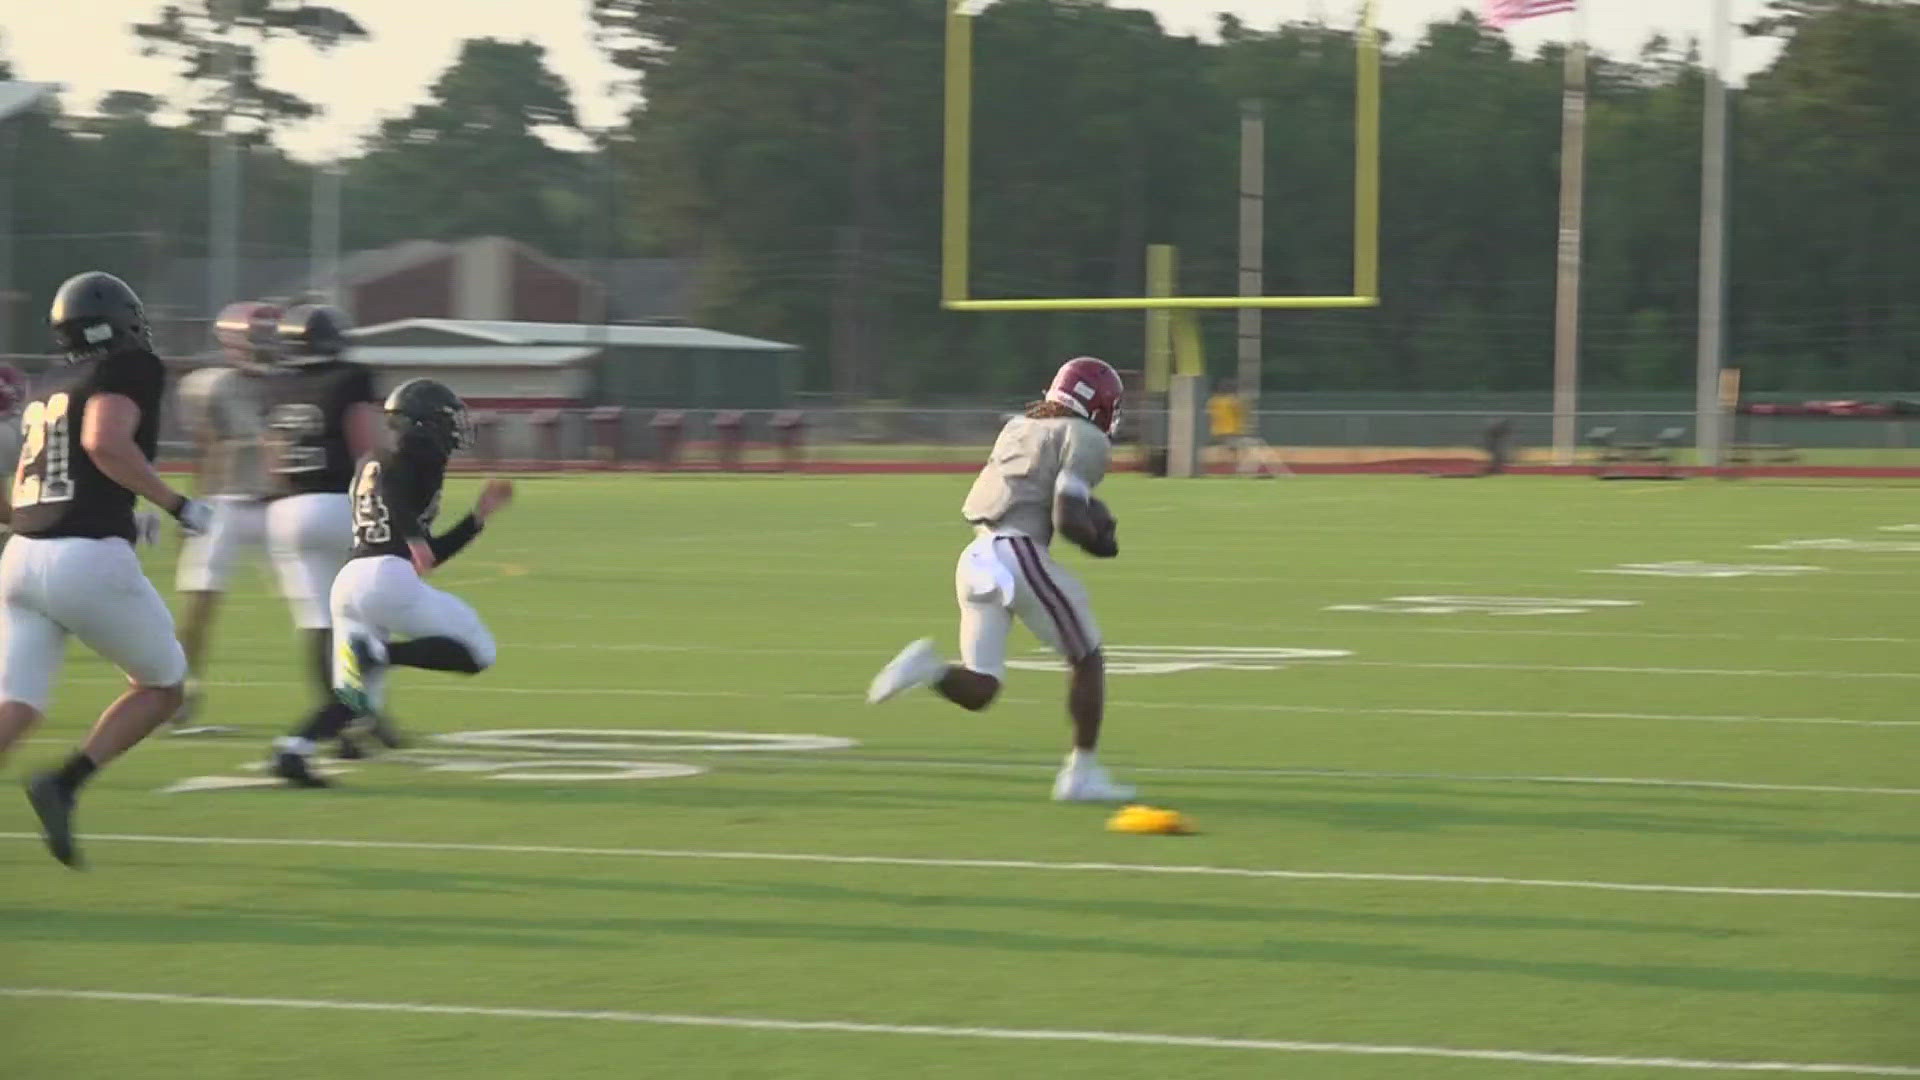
1169, 315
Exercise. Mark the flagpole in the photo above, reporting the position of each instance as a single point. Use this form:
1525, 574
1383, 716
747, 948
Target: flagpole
1566, 314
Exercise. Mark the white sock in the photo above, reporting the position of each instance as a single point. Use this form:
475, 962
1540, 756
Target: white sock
294, 744
1081, 759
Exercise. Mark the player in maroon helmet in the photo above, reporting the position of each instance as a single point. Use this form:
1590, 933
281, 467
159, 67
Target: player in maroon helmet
1038, 481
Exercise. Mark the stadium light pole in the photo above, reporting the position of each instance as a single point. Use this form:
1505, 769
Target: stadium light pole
1713, 243
16, 98
223, 193
1566, 322
1253, 193
324, 244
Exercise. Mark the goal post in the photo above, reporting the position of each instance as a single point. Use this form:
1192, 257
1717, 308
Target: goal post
957, 179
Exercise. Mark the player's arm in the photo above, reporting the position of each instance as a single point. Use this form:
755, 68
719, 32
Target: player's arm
495, 494
107, 435
363, 424
364, 419
1075, 518
1076, 515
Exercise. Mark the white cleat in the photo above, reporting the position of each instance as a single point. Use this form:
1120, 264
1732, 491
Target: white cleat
917, 665
1090, 783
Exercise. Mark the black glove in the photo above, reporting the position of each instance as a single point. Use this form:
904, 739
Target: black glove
1107, 544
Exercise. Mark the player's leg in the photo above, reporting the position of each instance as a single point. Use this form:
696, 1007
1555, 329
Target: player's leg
96, 589
1054, 605
310, 539
201, 578
355, 589
31, 647
444, 633
983, 590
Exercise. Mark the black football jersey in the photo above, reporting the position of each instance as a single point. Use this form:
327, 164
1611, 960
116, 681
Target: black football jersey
396, 496
57, 489
307, 416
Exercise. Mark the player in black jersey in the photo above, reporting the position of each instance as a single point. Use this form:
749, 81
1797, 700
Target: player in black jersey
380, 593
91, 429
323, 415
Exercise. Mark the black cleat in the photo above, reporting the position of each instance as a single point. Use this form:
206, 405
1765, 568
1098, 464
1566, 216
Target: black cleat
53, 803
293, 768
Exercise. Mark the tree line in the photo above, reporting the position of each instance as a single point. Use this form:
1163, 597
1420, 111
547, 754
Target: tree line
792, 154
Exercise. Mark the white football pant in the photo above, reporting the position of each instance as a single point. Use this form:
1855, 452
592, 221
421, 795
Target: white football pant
310, 537
384, 598
1008, 575
94, 590
238, 528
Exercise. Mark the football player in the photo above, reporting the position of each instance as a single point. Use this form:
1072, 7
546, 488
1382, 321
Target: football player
323, 416
91, 429
1039, 480
223, 409
382, 592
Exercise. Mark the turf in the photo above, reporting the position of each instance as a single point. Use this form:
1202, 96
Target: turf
1444, 745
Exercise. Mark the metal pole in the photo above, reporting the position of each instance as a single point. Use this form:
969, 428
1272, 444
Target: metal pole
1713, 238
1566, 316
223, 196
223, 269
1253, 191
324, 245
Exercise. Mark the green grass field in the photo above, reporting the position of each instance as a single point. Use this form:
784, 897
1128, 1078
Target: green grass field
1665, 837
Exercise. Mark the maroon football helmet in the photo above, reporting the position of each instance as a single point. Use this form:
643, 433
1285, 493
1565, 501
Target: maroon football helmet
1091, 388
246, 331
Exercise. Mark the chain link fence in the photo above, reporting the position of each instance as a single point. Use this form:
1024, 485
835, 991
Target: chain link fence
825, 436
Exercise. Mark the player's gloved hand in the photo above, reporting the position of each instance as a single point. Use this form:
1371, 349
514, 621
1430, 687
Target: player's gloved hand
193, 515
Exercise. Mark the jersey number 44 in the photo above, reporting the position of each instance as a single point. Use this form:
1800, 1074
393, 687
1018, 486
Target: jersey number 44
371, 519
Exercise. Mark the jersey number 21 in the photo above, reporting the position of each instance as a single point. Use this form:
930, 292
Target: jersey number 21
46, 458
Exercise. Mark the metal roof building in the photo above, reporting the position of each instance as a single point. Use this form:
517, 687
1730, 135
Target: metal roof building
506, 364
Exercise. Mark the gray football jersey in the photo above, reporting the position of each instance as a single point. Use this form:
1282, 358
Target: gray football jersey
224, 409
1015, 492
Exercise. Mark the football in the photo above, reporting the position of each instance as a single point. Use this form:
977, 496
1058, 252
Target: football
1103, 519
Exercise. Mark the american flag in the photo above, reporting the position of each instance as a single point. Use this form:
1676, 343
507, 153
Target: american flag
1502, 12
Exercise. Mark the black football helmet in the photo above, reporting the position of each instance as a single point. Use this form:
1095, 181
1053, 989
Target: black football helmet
314, 331
96, 313
426, 407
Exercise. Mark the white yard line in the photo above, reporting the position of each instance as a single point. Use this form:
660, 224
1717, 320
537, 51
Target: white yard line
1609, 669
1331, 628
851, 698
834, 760
851, 1027
989, 864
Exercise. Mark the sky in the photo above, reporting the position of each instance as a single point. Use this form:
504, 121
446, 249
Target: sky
413, 40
